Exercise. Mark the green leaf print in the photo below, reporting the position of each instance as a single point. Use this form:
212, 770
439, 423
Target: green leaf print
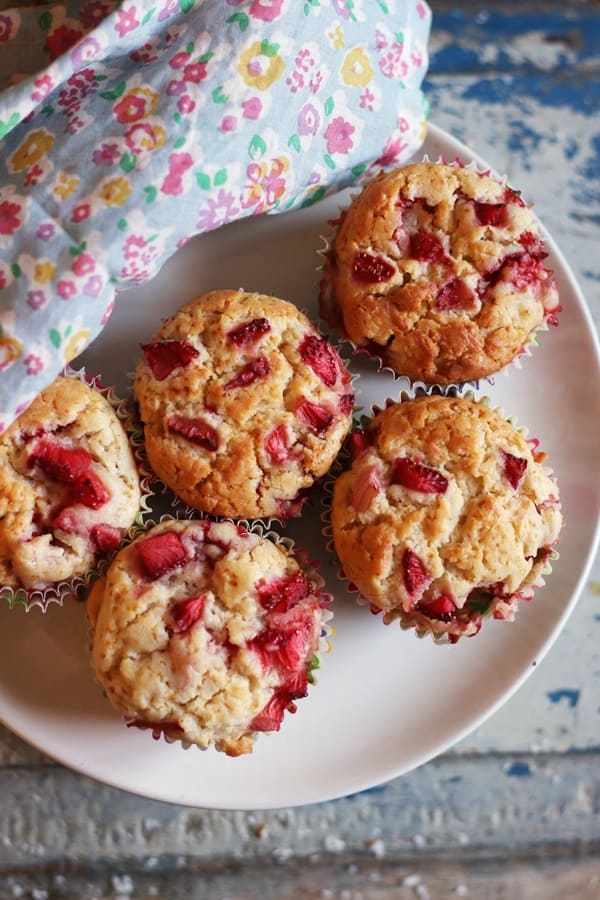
203, 180
218, 95
54, 337
122, 224
329, 106
150, 192
127, 162
313, 197
45, 21
220, 177
329, 161
359, 169
241, 18
384, 7
257, 147
294, 142
186, 5
268, 49
148, 15
115, 92
5, 127
180, 142
16, 270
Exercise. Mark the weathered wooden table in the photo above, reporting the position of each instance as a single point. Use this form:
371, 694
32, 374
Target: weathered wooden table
514, 810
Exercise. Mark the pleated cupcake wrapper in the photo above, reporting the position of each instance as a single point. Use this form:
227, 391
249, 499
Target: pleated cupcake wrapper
533, 339
308, 566
428, 628
78, 585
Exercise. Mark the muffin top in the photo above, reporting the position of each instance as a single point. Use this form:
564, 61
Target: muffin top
244, 404
69, 487
446, 513
205, 632
438, 270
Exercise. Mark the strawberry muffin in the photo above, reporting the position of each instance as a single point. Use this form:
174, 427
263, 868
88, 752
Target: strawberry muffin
244, 404
446, 515
438, 271
69, 487
206, 633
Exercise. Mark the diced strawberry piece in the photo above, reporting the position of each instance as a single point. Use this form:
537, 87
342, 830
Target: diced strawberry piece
511, 196
491, 214
425, 247
291, 509
195, 430
416, 574
166, 356
315, 417
531, 242
321, 357
527, 271
249, 332
270, 718
360, 441
455, 295
513, 467
276, 445
67, 520
105, 538
284, 651
441, 608
186, 613
60, 462
552, 315
366, 489
282, 593
161, 553
417, 477
90, 490
367, 267
346, 404
257, 368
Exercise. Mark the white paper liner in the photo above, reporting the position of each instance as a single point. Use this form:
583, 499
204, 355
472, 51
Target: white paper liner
504, 609
309, 567
532, 340
76, 586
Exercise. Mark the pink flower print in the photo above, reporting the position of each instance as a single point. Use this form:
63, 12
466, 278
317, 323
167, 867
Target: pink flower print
422, 10
403, 124
295, 81
308, 120
36, 299
218, 212
170, 8
93, 286
179, 163
46, 231
391, 152
127, 21
133, 244
175, 88
179, 60
380, 39
186, 105
266, 184
83, 264
391, 63
341, 8
43, 86
81, 212
144, 54
9, 217
34, 364
266, 10
252, 108
228, 123
106, 155
416, 57
66, 289
84, 50
196, 72
315, 82
33, 175
338, 135
367, 99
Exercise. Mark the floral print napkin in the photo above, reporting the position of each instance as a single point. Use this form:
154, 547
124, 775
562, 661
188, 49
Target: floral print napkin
127, 128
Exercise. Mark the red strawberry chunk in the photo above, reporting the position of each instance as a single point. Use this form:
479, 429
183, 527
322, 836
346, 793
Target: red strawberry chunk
283, 651
105, 538
90, 490
511, 196
360, 441
186, 613
513, 467
315, 417
249, 332
527, 271
441, 608
276, 445
282, 593
321, 357
418, 477
258, 368
366, 489
195, 430
59, 462
425, 247
161, 553
367, 267
455, 295
416, 574
270, 718
491, 214
166, 356
346, 404
68, 520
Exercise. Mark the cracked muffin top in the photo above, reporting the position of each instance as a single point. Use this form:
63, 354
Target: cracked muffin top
69, 486
438, 271
244, 404
205, 632
445, 515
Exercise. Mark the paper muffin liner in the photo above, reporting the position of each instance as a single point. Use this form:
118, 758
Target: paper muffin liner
405, 383
77, 586
499, 608
308, 566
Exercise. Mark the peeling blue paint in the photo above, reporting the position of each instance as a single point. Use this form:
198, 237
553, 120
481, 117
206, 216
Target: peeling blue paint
591, 167
519, 770
546, 89
454, 780
571, 695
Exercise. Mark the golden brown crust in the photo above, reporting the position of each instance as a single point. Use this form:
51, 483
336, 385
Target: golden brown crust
455, 305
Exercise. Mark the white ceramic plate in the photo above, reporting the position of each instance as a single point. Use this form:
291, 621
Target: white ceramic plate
385, 701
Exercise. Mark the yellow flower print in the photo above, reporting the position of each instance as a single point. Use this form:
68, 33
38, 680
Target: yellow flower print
115, 191
10, 350
260, 65
65, 185
34, 147
357, 70
76, 344
44, 272
336, 37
